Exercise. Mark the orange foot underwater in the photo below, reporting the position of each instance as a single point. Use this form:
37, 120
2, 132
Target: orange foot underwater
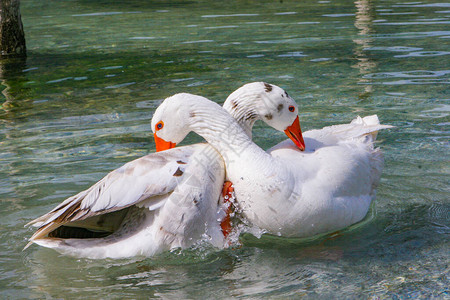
227, 193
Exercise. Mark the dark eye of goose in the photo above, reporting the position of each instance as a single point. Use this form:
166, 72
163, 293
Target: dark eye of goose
159, 125
291, 108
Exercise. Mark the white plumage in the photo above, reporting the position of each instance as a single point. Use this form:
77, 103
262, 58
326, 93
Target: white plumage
155, 203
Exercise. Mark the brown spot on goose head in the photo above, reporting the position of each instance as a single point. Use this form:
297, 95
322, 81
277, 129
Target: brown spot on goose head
279, 107
268, 87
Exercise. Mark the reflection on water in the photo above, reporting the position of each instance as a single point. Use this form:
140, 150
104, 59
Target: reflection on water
12, 78
363, 22
81, 103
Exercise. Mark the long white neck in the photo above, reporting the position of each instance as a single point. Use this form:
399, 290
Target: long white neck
222, 131
244, 110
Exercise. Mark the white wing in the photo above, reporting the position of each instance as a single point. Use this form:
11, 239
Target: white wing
139, 180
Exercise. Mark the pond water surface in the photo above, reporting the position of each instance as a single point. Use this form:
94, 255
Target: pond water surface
80, 106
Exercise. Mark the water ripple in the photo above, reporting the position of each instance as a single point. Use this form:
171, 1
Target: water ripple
222, 27
285, 13
60, 80
393, 48
424, 53
418, 82
30, 69
142, 38
307, 23
338, 15
116, 86
418, 4
111, 67
293, 54
109, 13
442, 111
398, 13
439, 214
182, 79
408, 74
232, 15
411, 35
414, 23
199, 41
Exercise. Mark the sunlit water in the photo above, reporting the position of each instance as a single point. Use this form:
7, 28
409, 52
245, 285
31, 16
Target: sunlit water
81, 103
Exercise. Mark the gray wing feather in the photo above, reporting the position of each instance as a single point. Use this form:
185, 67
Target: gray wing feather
128, 185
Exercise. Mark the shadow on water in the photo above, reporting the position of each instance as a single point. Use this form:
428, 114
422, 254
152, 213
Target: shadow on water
13, 81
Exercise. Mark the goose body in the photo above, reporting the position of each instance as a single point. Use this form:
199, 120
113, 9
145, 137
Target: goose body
285, 191
152, 204
334, 179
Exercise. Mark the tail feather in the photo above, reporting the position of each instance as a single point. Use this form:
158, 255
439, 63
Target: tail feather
368, 120
359, 127
370, 125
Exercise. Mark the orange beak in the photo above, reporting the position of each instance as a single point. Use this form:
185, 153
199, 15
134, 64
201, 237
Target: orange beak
161, 144
294, 132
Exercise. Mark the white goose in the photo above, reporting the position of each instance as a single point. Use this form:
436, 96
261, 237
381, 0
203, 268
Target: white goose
158, 202
286, 192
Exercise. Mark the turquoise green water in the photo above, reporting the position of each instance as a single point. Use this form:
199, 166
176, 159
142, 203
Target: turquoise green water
80, 105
